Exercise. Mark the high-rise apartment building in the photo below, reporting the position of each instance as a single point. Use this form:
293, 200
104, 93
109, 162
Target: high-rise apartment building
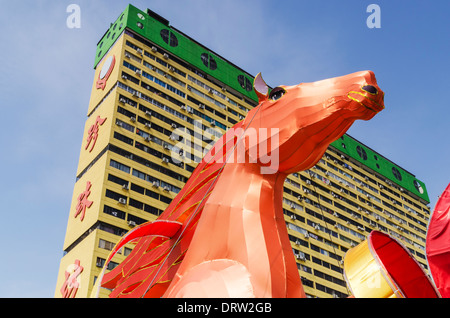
151, 79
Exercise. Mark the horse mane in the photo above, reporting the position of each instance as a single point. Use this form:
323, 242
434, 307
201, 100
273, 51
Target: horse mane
148, 270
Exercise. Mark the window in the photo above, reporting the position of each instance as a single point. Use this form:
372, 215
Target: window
245, 83
361, 152
107, 245
418, 187
119, 166
397, 174
124, 125
168, 37
208, 61
115, 195
114, 212
123, 138
117, 180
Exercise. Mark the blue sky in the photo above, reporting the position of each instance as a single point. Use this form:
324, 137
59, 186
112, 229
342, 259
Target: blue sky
47, 74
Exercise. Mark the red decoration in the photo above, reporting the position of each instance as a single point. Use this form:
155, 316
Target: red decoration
70, 287
83, 202
105, 72
93, 132
438, 244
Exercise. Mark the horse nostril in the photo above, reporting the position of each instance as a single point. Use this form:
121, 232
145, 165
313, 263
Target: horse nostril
370, 89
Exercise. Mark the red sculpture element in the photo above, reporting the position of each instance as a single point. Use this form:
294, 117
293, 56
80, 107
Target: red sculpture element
70, 287
83, 202
438, 244
381, 267
105, 72
93, 132
233, 241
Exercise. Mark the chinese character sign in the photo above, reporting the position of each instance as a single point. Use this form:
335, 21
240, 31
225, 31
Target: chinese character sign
72, 280
83, 202
93, 133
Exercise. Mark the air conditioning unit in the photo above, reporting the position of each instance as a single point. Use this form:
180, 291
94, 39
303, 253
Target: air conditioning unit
360, 228
183, 107
155, 184
125, 186
166, 146
131, 223
165, 160
127, 55
213, 123
166, 188
308, 181
171, 69
174, 125
148, 138
166, 56
300, 198
154, 49
139, 51
148, 113
133, 119
138, 72
122, 201
293, 217
201, 106
300, 257
124, 77
293, 206
122, 100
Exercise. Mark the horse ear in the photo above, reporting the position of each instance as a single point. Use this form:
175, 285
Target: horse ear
261, 88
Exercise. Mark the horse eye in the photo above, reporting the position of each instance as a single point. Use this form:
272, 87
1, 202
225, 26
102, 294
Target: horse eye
277, 93
370, 89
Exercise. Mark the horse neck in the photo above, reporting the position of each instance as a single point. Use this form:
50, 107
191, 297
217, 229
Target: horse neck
244, 186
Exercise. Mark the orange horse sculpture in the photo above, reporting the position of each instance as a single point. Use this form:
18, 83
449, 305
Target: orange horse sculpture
224, 234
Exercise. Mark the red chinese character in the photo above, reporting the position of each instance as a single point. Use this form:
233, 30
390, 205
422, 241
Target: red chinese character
93, 132
83, 202
71, 284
